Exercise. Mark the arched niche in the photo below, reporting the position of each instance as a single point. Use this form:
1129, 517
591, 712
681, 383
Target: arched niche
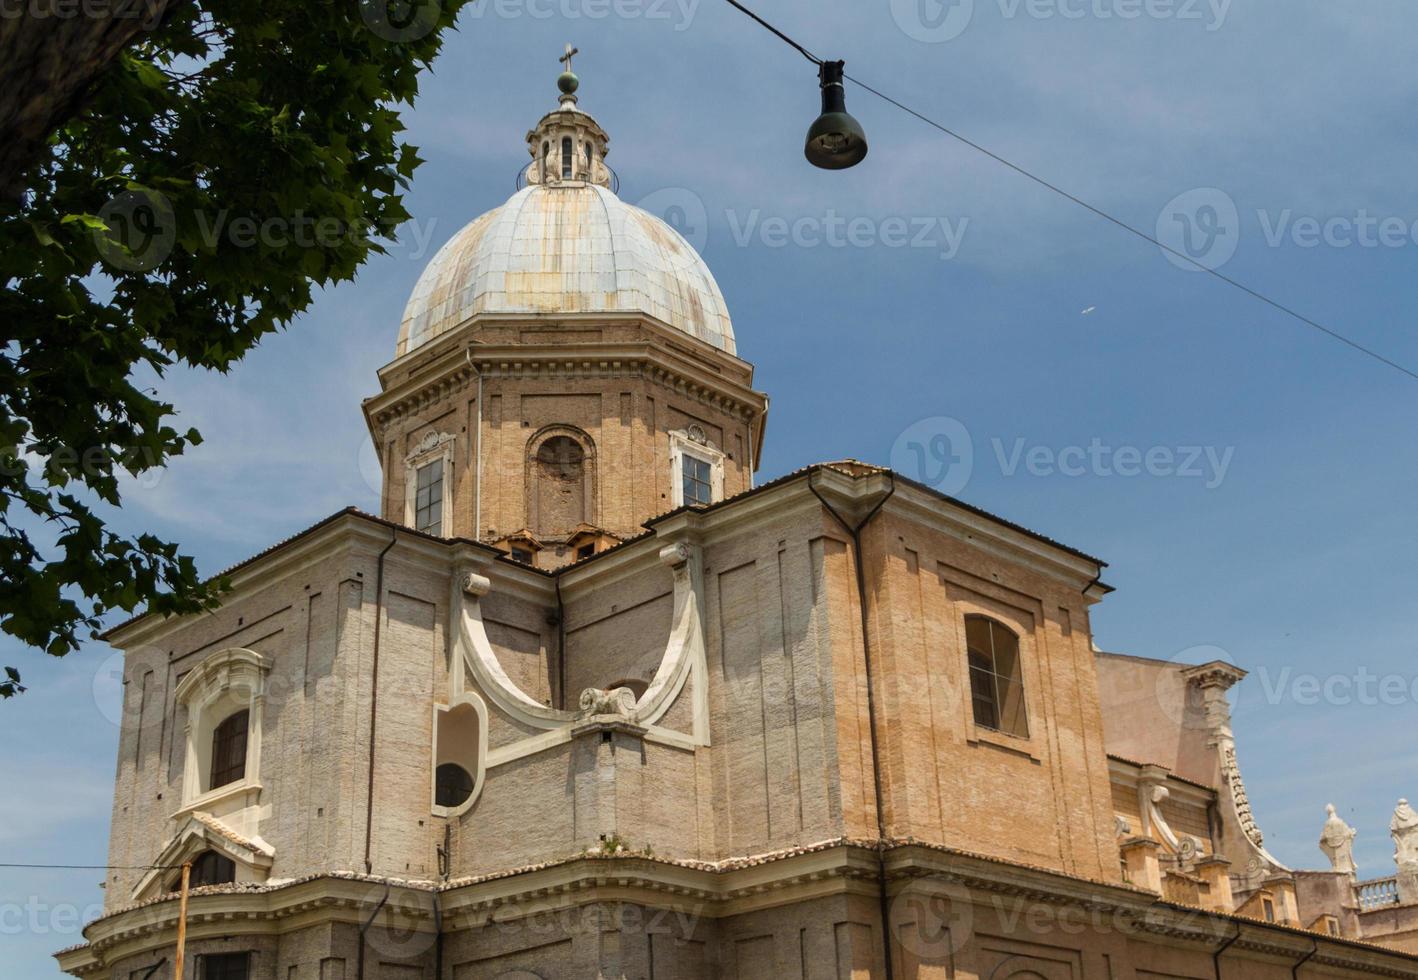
561, 484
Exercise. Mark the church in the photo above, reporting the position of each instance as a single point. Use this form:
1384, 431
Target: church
585, 701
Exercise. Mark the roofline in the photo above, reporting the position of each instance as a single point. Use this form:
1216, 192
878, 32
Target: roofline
1138, 764
808, 471
320, 525
650, 526
1185, 668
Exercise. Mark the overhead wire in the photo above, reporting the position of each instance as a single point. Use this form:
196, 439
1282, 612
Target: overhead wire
1092, 208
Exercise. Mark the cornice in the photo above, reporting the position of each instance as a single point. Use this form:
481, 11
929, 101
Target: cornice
701, 889
339, 533
643, 360
1216, 673
453, 341
709, 890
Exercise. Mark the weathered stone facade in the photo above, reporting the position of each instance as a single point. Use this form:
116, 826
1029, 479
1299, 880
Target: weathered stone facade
735, 738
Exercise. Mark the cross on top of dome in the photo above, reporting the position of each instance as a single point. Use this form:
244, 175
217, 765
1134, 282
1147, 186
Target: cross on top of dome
567, 145
567, 80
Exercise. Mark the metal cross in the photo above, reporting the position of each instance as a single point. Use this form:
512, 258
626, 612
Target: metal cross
566, 58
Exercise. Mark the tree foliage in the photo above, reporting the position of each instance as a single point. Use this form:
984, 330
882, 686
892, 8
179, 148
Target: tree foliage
228, 162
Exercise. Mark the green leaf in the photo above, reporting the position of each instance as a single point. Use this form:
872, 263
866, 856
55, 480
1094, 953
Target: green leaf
227, 111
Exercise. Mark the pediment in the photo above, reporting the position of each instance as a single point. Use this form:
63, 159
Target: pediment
200, 832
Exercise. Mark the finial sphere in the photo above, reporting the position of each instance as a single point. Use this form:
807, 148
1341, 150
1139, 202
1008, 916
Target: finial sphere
567, 82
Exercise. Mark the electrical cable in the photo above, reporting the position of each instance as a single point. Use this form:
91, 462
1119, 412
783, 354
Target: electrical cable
1042, 182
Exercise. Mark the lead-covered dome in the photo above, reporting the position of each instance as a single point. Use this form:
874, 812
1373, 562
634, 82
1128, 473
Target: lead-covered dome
567, 244
567, 247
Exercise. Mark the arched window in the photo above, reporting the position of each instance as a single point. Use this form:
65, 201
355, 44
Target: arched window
588, 159
229, 750
208, 868
224, 697
996, 682
566, 158
542, 163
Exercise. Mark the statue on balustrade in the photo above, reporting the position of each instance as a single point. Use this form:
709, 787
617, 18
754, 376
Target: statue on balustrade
1337, 842
1404, 828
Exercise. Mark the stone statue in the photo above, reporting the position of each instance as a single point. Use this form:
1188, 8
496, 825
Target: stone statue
1337, 842
619, 701
1404, 828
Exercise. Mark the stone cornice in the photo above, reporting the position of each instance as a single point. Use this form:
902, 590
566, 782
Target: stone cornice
643, 360
452, 342
1216, 673
707, 890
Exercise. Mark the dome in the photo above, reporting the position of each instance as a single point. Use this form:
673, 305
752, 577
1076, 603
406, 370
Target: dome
568, 246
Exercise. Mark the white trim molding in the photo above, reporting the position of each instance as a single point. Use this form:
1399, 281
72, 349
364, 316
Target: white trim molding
198, 833
228, 681
473, 758
431, 448
693, 442
685, 662
685, 655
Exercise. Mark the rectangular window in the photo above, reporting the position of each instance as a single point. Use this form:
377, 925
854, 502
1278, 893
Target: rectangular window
226, 966
698, 480
229, 750
522, 555
428, 499
996, 683
1269, 907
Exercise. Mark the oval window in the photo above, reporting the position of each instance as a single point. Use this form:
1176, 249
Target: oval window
452, 785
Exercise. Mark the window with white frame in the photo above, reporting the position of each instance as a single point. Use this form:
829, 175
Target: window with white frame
696, 480
696, 468
428, 468
428, 498
224, 696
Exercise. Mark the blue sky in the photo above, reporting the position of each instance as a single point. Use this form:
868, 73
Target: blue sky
1287, 541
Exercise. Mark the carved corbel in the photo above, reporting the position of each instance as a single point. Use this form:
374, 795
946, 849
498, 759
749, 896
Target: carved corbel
476, 585
1151, 794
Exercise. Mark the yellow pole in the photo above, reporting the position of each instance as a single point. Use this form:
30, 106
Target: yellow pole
181, 922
